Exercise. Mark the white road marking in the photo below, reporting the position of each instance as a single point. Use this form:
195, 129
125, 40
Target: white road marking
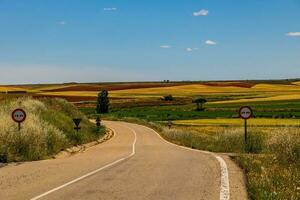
93, 172
224, 188
224, 193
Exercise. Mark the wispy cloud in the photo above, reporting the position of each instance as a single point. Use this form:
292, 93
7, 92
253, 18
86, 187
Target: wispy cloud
62, 23
202, 12
165, 46
210, 42
189, 49
293, 34
110, 9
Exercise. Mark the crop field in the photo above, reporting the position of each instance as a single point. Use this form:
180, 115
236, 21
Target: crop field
215, 92
5, 89
271, 159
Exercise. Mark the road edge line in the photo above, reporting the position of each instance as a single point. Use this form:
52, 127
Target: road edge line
92, 172
224, 185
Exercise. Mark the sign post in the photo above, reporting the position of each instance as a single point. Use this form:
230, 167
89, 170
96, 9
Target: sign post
245, 113
169, 124
77, 122
19, 116
98, 122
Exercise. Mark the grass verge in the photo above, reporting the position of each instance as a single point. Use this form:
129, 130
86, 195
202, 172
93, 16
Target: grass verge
47, 130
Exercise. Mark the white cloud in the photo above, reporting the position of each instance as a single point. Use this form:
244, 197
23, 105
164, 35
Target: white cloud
202, 12
293, 34
210, 42
62, 23
189, 49
110, 9
165, 46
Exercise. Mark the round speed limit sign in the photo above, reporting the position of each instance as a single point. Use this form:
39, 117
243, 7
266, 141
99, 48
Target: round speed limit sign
18, 115
245, 112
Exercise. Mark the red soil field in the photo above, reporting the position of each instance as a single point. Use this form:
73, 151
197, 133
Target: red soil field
231, 84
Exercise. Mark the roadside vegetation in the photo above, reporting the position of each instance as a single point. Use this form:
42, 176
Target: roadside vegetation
47, 130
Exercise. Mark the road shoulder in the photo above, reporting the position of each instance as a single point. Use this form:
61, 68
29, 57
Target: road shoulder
237, 179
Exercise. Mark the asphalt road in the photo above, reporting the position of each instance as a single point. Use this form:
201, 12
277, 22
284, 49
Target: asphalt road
135, 164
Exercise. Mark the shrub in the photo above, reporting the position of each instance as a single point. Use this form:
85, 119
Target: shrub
200, 102
255, 142
168, 98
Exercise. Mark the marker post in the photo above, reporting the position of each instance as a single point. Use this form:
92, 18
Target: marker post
246, 136
246, 113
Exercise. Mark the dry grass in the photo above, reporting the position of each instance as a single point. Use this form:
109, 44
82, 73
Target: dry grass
47, 130
35, 138
239, 122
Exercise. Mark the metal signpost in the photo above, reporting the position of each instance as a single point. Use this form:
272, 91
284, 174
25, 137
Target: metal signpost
77, 122
245, 113
19, 116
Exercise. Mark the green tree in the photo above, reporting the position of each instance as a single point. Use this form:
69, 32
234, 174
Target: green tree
102, 102
168, 98
200, 102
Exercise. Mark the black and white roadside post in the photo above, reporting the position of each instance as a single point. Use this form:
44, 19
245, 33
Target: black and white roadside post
245, 113
98, 122
169, 124
19, 116
77, 122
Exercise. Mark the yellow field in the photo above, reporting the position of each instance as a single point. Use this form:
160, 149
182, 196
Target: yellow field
239, 122
296, 83
275, 87
71, 93
236, 93
180, 91
273, 98
9, 88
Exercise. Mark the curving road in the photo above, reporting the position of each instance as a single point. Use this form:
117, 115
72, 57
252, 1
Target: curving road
135, 164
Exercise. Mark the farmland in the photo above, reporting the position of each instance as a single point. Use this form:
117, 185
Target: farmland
274, 131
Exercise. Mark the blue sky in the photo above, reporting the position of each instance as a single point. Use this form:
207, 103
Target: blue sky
138, 40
